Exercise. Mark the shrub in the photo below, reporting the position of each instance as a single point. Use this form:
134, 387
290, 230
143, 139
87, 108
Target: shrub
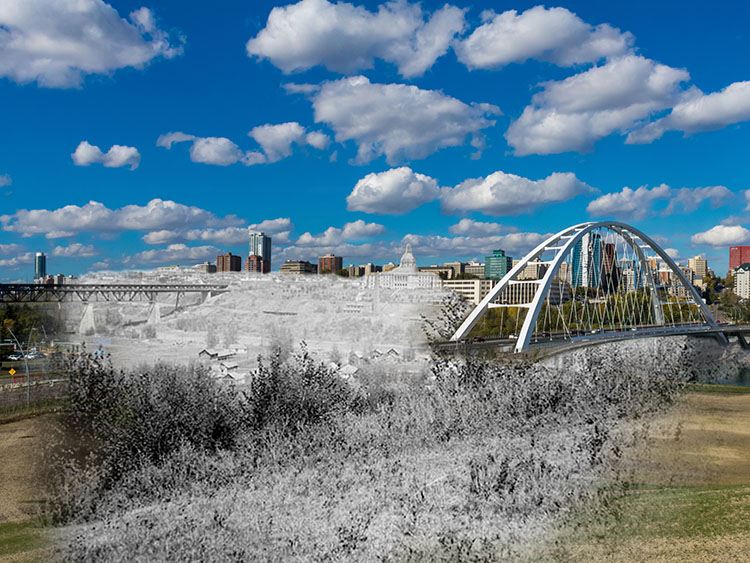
297, 393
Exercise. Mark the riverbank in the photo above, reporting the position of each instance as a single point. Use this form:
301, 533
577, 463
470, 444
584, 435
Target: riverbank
685, 493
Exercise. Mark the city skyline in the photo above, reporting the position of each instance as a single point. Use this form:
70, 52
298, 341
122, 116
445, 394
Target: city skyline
168, 155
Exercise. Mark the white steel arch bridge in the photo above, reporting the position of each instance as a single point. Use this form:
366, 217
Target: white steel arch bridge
592, 281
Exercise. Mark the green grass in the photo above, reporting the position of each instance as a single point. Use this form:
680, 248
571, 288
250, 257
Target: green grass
652, 515
685, 512
36, 408
19, 537
717, 388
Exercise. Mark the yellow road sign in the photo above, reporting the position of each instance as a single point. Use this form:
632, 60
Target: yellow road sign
12, 371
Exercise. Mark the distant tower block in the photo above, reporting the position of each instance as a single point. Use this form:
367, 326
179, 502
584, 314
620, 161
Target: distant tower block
40, 266
260, 245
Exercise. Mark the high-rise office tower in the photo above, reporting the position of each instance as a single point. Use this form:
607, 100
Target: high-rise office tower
699, 265
260, 245
497, 265
738, 255
587, 261
40, 266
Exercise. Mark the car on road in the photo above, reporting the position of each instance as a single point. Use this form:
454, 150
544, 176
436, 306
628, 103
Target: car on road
478, 339
15, 357
513, 337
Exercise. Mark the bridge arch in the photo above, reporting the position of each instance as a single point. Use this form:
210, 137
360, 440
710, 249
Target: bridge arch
553, 253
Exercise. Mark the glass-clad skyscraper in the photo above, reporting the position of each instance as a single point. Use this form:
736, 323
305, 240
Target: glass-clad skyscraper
497, 265
587, 261
260, 245
40, 266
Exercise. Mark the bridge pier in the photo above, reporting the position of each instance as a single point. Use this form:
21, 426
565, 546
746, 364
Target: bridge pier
743, 341
87, 323
154, 315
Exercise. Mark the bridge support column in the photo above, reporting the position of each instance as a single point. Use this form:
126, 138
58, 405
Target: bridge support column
154, 315
87, 324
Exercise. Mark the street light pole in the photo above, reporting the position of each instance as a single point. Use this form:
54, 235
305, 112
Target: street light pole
26, 365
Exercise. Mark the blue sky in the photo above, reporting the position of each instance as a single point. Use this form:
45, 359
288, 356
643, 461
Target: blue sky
444, 125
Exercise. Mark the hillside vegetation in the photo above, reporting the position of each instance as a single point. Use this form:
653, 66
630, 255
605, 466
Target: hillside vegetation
472, 462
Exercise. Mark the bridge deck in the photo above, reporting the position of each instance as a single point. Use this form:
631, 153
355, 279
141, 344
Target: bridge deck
40, 293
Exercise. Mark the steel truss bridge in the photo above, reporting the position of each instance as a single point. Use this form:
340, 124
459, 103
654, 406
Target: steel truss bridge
92, 293
595, 282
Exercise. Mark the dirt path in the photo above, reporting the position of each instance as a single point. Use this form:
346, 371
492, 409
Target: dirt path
22, 487
21, 445
689, 496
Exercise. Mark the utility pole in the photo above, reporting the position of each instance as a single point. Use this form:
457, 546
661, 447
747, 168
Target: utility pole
26, 365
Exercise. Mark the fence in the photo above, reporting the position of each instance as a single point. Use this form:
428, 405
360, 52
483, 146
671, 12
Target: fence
39, 391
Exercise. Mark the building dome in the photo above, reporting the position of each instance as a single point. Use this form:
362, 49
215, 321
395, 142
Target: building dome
408, 263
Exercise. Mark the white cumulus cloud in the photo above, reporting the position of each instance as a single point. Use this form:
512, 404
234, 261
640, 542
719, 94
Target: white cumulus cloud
399, 121
722, 235
66, 221
471, 228
275, 141
508, 194
687, 200
548, 34
280, 228
641, 203
75, 250
176, 253
57, 42
167, 139
572, 114
215, 150
515, 244
633, 204
394, 191
5, 180
334, 236
346, 38
24, 259
704, 112
12, 248
117, 156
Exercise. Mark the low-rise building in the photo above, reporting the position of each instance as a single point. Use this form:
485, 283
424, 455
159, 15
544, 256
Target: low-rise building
472, 290
228, 263
443, 272
330, 264
474, 268
205, 268
742, 281
533, 271
298, 267
523, 293
457, 267
256, 264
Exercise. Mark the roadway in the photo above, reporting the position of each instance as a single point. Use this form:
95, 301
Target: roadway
547, 340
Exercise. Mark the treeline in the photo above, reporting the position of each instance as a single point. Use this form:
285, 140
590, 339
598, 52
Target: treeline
21, 319
617, 311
